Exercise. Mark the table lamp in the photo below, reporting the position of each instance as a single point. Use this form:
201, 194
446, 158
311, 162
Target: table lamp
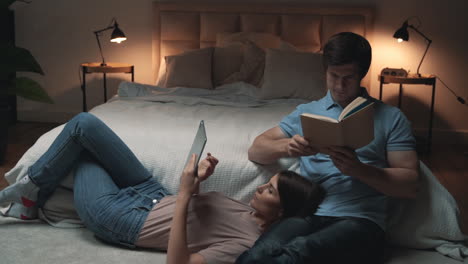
117, 36
402, 35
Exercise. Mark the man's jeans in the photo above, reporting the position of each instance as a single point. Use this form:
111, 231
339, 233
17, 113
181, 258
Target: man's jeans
113, 192
318, 239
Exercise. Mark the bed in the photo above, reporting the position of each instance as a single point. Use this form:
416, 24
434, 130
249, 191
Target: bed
226, 64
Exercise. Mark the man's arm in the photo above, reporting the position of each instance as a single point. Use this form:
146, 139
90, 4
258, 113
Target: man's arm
401, 179
273, 144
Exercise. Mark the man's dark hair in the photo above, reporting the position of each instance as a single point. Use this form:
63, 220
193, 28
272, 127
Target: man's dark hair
345, 48
298, 196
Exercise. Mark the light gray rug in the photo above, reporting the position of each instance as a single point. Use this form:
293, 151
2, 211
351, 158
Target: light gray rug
37, 242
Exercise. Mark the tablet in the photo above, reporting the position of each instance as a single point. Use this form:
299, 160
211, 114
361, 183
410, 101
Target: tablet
198, 144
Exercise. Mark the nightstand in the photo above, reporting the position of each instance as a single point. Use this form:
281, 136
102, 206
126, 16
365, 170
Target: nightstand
425, 80
95, 67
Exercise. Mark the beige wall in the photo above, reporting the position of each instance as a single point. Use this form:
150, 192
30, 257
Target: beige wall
446, 58
60, 35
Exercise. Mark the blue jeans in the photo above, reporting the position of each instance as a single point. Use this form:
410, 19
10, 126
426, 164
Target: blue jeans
318, 239
113, 192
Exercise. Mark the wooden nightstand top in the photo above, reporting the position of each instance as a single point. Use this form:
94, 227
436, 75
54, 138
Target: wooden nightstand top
111, 67
410, 79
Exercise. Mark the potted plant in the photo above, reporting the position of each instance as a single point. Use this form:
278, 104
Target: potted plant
14, 59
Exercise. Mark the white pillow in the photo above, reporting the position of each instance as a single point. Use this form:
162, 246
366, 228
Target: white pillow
292, 74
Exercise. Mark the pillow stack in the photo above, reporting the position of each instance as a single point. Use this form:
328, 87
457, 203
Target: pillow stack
260, 59
237, 57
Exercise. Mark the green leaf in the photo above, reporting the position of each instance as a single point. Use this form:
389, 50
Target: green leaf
30, 89
14, 59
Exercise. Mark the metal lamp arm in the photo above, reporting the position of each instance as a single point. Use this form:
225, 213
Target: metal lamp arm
113, 22
429, 41
97, 33
420, 33
103, 63
104, 29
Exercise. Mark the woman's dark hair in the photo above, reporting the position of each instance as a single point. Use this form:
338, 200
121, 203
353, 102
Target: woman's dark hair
298, 196
345, 48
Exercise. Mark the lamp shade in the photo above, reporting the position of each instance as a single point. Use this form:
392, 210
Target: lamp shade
117, 34
402, 33
117, 37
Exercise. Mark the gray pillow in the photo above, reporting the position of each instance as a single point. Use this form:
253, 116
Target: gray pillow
293, 74
190, 69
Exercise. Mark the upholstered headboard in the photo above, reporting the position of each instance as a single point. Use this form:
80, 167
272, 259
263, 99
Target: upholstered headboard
186, 26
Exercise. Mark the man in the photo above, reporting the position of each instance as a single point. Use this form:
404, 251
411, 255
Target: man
349, 226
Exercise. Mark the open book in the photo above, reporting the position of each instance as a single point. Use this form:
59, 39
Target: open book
354, 127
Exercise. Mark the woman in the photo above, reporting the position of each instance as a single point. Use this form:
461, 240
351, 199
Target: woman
118, 199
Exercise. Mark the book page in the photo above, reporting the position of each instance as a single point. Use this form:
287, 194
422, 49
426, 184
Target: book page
351, 106
361, 107
359, 128
320, 117
355, 130
321, 133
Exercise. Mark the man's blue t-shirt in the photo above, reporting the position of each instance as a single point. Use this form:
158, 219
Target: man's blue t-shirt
346, 195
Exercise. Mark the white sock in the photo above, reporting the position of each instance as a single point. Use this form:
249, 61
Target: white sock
17, 210
23, 192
